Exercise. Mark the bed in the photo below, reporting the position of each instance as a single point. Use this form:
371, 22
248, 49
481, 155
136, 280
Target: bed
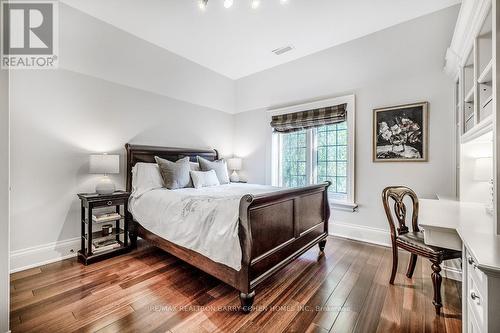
273, 226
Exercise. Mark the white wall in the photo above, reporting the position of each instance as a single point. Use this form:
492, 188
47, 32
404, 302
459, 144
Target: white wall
4, 201
95, 48
125, 91
399, 65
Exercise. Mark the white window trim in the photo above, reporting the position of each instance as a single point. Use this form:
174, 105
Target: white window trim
350, 203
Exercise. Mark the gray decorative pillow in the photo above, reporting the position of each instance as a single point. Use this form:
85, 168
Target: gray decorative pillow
175, 174
218, 166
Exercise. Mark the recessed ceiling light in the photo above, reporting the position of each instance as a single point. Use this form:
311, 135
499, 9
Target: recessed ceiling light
255, 4
284, 1
203, 4
228, 3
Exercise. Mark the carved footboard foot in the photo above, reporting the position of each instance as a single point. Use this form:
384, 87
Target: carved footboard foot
247, 301
133, 239
132, 231
322, 245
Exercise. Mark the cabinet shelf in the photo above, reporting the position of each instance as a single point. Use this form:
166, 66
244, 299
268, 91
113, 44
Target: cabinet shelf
486, 76
488, 101
469, 98
107, 221
483, 127
98, 234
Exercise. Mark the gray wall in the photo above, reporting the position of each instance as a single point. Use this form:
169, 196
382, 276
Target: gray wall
112, 88
399, 65
4, 201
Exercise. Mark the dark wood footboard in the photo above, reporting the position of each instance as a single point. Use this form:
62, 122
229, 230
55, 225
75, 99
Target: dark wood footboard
278, 227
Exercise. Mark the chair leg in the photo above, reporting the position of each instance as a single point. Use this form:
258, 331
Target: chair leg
436, 281
394, 263
411, 265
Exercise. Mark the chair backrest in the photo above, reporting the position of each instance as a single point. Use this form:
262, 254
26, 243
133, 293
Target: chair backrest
398, 194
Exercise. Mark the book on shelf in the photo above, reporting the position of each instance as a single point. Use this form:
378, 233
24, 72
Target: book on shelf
106, 217
105, 245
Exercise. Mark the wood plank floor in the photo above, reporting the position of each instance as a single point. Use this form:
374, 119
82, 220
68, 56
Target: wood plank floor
345, 290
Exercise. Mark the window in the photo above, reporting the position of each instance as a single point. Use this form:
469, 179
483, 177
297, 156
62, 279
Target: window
331, 158
293, 166
318, 154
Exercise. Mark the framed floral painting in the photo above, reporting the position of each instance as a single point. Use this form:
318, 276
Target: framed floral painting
400, 133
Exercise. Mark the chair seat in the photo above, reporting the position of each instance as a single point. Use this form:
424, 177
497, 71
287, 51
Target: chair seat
415, 240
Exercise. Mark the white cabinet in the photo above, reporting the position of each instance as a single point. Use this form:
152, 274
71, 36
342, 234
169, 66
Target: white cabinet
448, 222
481, 296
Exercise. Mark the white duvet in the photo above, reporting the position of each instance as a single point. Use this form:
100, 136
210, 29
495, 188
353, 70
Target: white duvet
204, 220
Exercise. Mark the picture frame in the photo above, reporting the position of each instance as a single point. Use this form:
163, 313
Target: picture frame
400, 133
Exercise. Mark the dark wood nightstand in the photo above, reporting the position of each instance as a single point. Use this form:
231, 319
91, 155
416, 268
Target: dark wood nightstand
92, 233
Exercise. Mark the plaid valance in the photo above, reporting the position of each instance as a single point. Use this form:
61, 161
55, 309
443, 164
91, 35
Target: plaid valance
297, 121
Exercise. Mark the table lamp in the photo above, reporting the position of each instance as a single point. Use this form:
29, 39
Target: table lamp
104, 164
235, 165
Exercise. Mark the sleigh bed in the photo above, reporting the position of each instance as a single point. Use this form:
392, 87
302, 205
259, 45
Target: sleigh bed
273, 228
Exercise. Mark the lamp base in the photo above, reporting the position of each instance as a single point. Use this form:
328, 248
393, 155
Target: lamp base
235, 178
105, 186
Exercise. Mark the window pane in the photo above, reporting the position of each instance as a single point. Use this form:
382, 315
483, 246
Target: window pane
294, 154
342, 137
332, 157
342, 153
332, 153
332, 169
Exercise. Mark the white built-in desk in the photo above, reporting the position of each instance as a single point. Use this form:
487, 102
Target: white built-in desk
468, 227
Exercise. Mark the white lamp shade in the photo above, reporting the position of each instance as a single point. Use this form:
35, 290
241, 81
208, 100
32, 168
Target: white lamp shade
234, 163
483, 169
104, 164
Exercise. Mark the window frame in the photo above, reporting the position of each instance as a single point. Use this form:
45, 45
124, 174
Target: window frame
349, 203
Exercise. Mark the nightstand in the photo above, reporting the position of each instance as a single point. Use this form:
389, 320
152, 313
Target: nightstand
97, 244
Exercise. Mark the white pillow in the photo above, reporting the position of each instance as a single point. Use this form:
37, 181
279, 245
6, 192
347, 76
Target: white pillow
204, 178
145, 177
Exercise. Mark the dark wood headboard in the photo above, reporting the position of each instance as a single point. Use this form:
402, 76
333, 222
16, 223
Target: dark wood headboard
139, 153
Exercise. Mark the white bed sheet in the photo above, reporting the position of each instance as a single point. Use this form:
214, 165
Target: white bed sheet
204, 220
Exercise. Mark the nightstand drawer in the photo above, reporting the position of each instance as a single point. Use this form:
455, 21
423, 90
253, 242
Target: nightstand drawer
108, 203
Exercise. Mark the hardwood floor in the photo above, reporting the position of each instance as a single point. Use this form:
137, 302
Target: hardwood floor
346, 290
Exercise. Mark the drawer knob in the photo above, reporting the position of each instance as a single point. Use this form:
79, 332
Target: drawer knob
474, 296
110, 203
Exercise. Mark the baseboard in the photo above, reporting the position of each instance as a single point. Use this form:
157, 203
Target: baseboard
361, 233
43, 254
452, 273
381, 237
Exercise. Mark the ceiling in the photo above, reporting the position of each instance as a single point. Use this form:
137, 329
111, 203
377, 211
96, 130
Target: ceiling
238, 41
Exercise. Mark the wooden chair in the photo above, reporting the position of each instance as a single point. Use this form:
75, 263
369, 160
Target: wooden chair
413, 241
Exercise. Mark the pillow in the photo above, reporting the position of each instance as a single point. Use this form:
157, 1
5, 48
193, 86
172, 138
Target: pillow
175, 174
204, 178
195, 166
218, 166
145, 177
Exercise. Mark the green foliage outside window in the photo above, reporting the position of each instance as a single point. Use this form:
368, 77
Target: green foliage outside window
294, 154
330, 159
332, 156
